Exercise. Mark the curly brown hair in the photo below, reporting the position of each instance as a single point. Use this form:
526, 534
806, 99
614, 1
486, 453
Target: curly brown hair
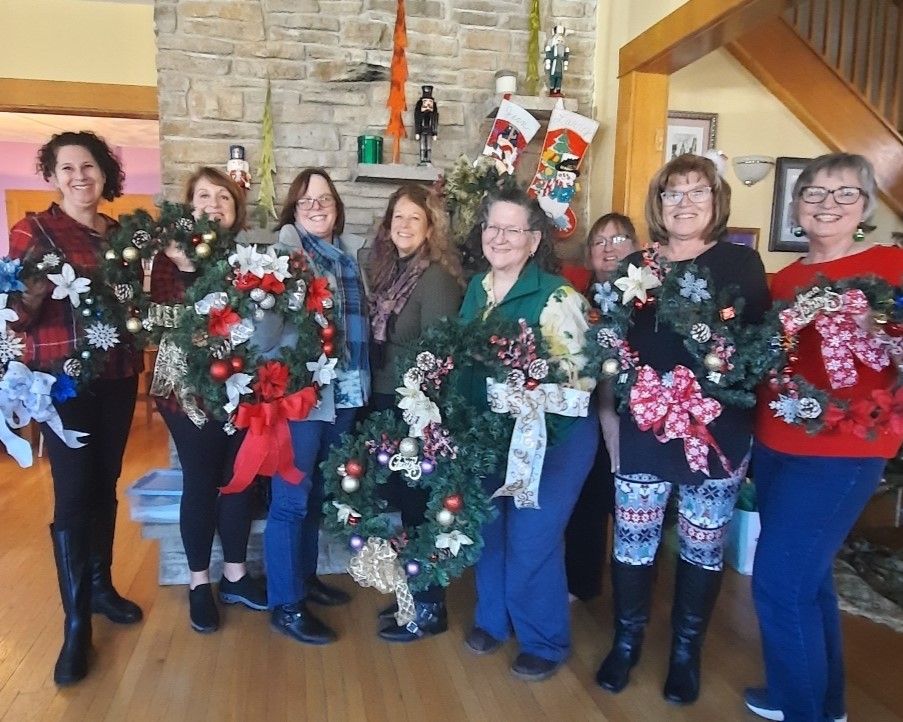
114, 177
218, 178
437, 247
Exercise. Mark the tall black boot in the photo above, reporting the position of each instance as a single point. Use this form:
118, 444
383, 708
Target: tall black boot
70, 550
631, 586
104, 598
695, 592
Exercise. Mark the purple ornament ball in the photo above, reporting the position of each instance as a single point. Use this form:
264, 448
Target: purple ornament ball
356, 542
383, 457
412, 568
427, 466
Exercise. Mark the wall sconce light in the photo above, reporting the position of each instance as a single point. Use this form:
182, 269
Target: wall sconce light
750, 169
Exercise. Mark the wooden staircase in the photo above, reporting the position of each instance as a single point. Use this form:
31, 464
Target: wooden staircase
838, 66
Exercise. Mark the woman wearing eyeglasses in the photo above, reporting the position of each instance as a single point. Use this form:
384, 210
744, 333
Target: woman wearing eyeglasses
812, 488
687, 210
312, 222
520, 578
611, 238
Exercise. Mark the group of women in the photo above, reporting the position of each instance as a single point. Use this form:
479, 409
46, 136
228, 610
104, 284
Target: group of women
811, 489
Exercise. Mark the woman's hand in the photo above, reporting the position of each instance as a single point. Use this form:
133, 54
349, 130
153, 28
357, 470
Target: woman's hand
178, 256
36, 289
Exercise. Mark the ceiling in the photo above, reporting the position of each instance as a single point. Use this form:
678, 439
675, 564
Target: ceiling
38, 127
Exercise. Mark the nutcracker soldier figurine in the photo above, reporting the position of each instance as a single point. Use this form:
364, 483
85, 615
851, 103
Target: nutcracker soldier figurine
426, 123
557, 54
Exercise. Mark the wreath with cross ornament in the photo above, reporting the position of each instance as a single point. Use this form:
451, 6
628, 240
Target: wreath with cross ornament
439, 442
833, 309
728, 357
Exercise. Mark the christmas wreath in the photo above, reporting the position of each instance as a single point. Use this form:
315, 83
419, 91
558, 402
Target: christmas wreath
833, 308
445, 445
727, 356
212, 358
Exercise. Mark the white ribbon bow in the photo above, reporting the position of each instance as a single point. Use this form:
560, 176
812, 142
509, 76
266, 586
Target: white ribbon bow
25, 396
218, 300
528, 442
241, 331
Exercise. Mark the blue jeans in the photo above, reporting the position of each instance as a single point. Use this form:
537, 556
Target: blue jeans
521, 580
808, 504
291, 538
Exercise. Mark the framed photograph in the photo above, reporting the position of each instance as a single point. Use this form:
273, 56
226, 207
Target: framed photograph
743, 237
787, 170
689, 133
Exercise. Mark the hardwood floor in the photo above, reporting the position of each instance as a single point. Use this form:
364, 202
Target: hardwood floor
162, 670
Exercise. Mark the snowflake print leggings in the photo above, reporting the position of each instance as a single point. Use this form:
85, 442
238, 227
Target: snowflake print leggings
703, 514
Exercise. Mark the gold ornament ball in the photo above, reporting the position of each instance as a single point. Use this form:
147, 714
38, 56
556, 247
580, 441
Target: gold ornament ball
350, 484
712, 362
133, 325
202, 250
110, 254
445, 517
610, 366
208, 236
130, 254
408, 446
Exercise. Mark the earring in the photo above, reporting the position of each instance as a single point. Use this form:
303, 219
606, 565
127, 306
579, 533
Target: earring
859, 234
798, 231
532, 253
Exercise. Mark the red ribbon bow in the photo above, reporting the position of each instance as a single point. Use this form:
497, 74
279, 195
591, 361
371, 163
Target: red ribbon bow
843, 340
267, 448
674, 408
221, 320
269, 282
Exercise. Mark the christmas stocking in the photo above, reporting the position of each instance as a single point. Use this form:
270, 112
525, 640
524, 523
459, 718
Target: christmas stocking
512, 129
555, 182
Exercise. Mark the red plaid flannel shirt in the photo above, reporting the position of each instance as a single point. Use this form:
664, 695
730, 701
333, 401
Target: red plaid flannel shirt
50, 329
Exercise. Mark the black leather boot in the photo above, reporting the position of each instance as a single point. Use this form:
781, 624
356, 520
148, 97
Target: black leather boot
695, 592
632, 589
299, 623
319, 592
104, 598
70, 551
430, 618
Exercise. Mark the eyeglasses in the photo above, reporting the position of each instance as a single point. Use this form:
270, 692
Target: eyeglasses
845, 195
512, 235
697, 195
613, 241
305, 203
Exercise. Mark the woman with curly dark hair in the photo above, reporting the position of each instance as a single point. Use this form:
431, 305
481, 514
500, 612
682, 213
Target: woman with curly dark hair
415, 280
84, 170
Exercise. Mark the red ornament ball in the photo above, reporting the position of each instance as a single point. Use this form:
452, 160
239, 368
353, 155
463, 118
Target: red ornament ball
327, 333
354, 468
220, 370
894, 329
328, 348
453, 502
531, 384
196, 239
237, 363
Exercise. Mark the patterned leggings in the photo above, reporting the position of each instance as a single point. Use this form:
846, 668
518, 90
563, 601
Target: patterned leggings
703, 514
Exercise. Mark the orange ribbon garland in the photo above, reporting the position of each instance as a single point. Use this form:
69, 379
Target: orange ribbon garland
267, 448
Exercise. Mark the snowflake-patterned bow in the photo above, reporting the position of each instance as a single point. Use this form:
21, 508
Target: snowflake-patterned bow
673, 407
604, 296
68, 285
637, 283
843, 340
696, 289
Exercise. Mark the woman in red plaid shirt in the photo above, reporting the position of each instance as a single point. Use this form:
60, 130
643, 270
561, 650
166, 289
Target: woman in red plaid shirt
85, 171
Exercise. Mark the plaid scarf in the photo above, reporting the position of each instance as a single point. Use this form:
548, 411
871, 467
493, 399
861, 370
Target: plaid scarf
389, 296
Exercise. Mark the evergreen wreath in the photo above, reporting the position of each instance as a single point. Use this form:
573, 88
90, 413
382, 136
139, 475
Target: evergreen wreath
441, 443
832, 306
728, 356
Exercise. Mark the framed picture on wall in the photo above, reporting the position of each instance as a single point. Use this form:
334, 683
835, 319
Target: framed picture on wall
743, 237
787, 170
689, 133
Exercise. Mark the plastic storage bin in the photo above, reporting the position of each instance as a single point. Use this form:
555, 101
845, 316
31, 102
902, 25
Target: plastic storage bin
156, 496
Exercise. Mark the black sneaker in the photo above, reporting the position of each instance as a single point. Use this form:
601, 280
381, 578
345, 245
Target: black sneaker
202, 609
247, 590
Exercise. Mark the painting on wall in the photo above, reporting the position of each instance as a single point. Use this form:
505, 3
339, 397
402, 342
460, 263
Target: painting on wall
689, 133
787, 170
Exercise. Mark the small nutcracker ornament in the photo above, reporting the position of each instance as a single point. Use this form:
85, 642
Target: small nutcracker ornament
238, 167
426, 123
557, 54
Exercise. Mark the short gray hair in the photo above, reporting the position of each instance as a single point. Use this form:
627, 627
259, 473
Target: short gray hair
833, 163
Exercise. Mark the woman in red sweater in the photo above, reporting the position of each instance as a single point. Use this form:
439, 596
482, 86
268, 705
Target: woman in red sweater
811, 487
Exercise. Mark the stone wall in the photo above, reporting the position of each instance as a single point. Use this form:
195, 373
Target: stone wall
328, 62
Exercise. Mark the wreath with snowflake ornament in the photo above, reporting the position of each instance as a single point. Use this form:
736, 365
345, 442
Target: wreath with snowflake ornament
212, 360
727, 356
834, 309
445, 445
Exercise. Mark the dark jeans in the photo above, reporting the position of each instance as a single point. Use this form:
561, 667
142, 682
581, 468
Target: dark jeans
808, 504
207, 455
84, 480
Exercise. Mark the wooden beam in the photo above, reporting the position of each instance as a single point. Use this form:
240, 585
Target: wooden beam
66, 98
640, 140
801, 80
692, 31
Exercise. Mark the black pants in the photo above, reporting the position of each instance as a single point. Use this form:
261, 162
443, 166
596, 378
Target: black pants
84, 480
584, 538
207, 455
410, 501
